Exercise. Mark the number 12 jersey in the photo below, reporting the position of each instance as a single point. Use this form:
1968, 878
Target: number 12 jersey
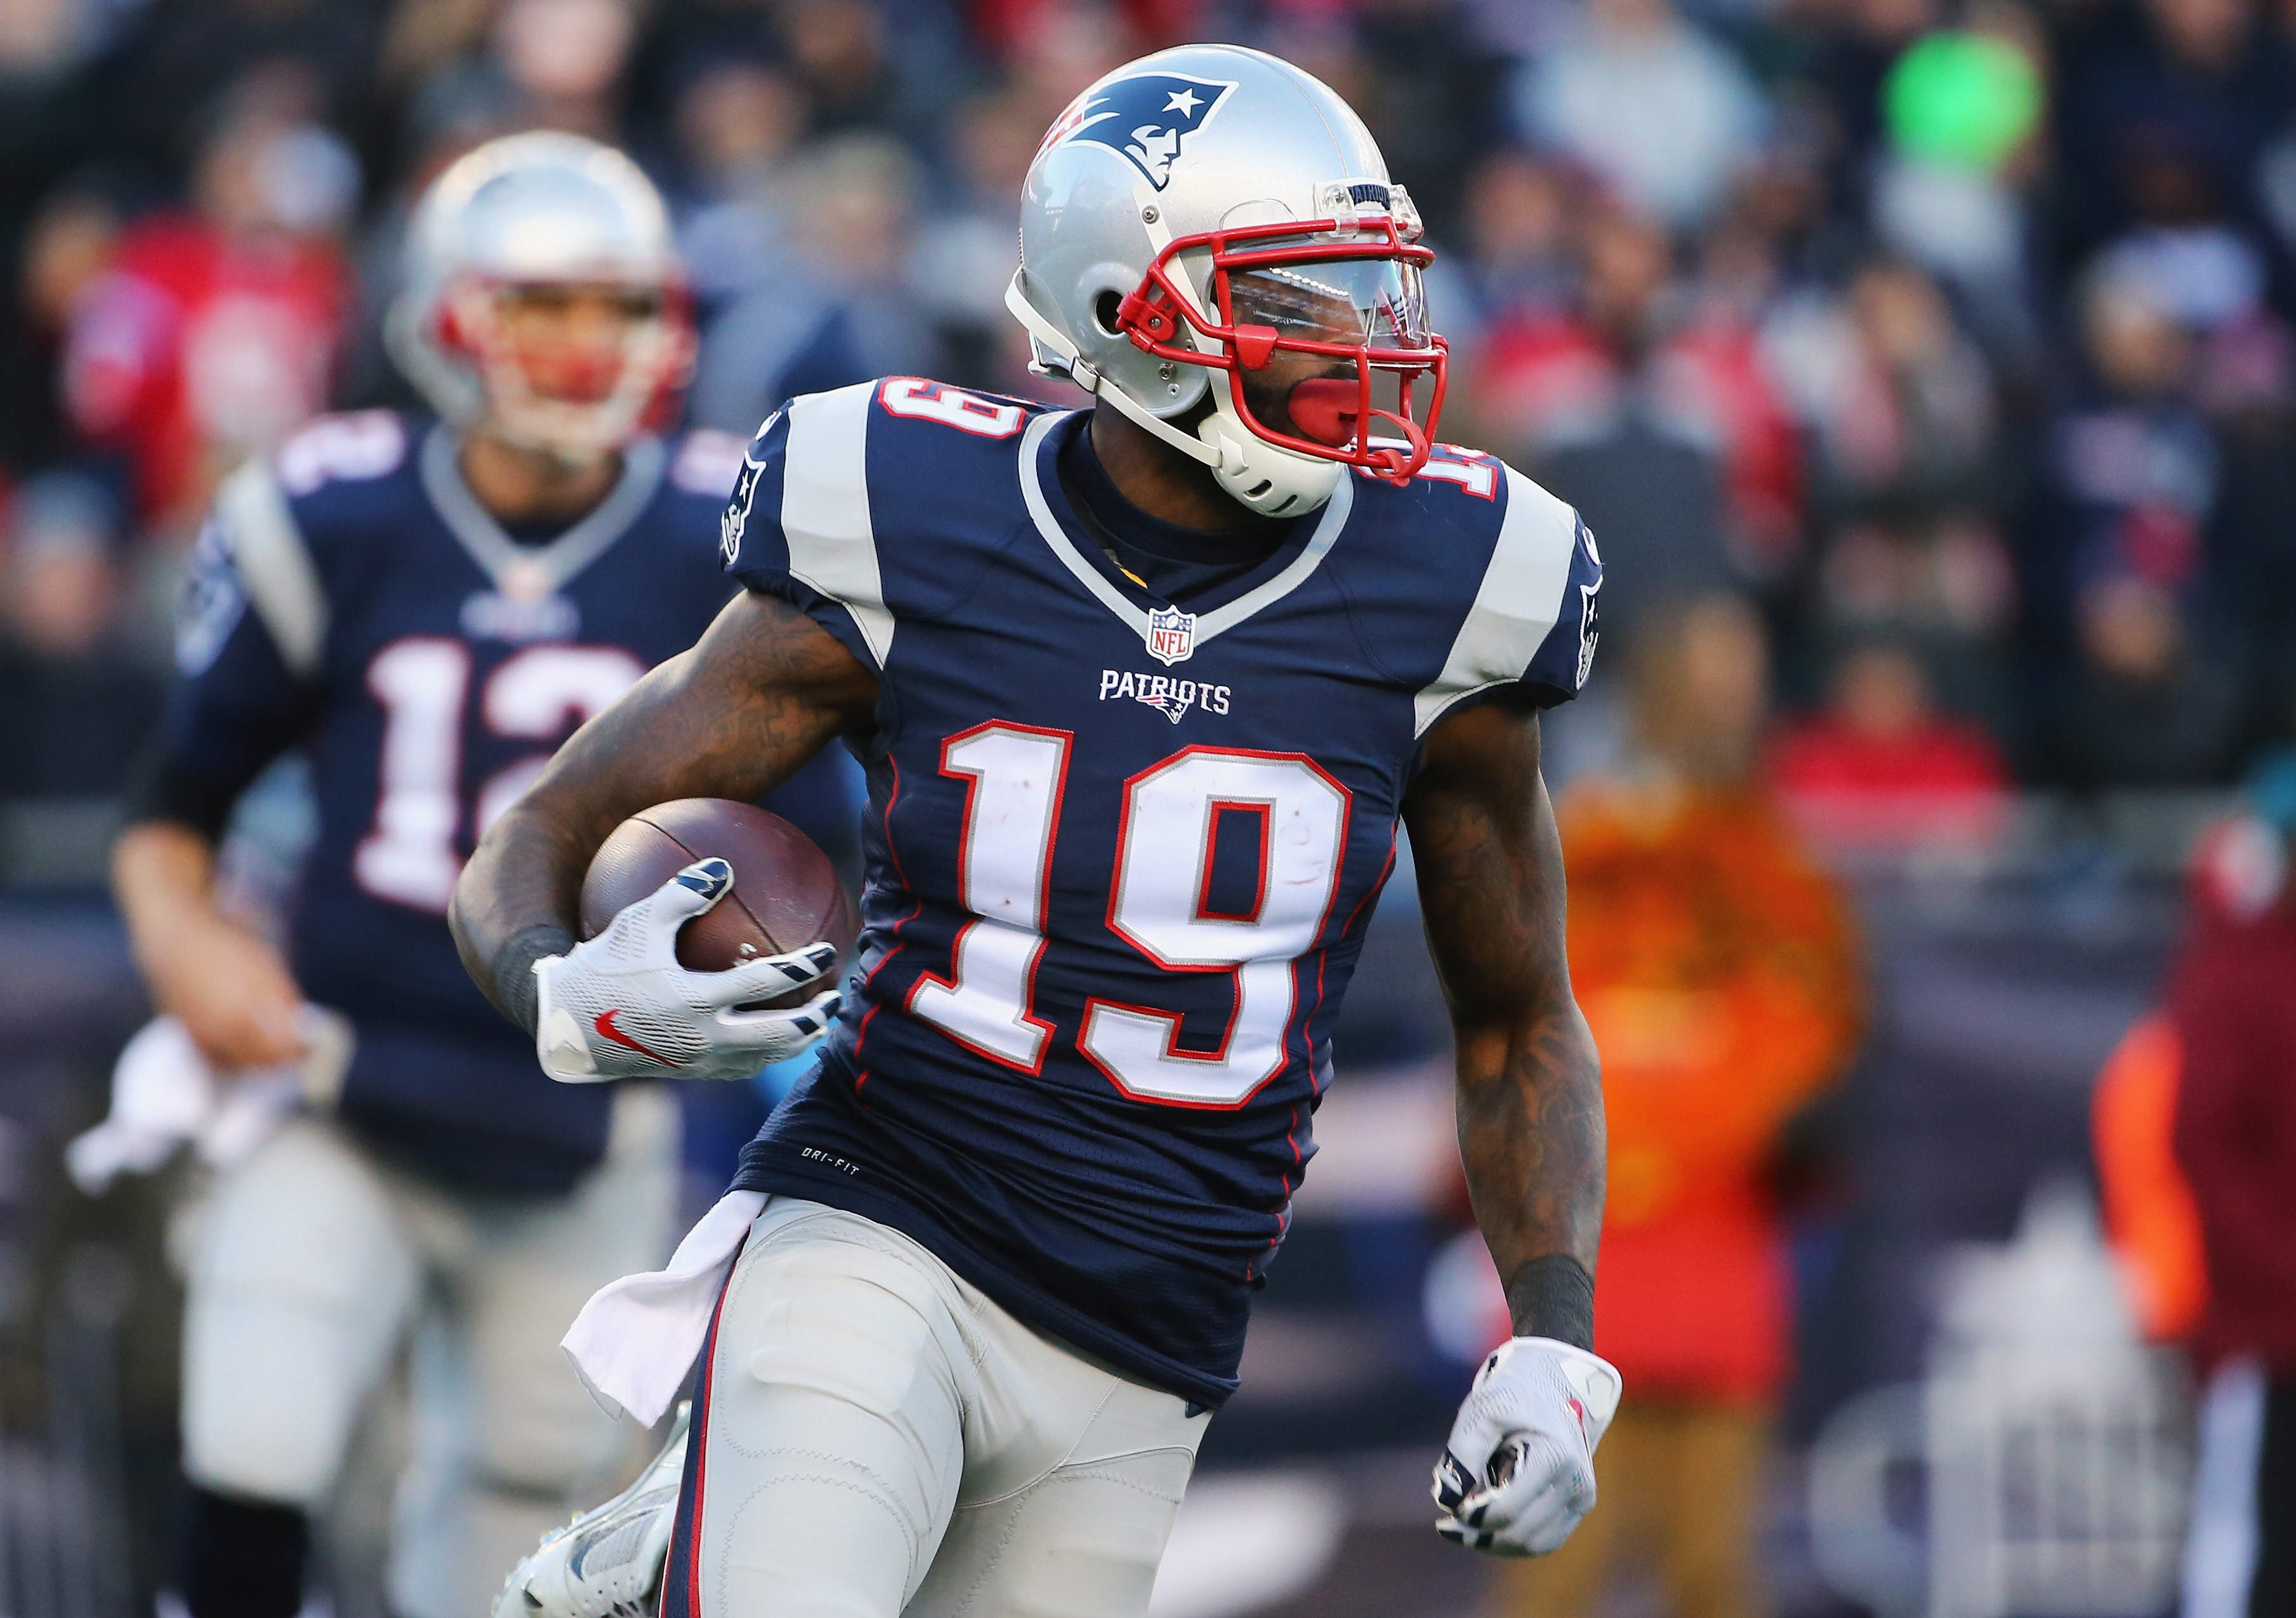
1121, 850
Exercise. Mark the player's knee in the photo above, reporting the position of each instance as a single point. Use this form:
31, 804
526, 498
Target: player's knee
268, 1409
243, 1558
826, 1604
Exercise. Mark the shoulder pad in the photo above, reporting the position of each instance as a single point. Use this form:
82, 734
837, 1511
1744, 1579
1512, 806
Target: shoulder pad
980, 415
800, 510
254, 524
354, 447
1542, 579
886, 498
825, 515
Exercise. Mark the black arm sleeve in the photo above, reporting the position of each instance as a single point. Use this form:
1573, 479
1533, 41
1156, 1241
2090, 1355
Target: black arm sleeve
1554, 1297
162, 786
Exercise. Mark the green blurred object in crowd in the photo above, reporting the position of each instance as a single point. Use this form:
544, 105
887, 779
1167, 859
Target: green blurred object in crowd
1962, 98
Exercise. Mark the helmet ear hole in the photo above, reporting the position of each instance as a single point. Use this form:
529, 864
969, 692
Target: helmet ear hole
1105, 311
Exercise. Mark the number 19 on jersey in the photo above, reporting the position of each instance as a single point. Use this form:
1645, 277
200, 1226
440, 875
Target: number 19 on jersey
1159, 901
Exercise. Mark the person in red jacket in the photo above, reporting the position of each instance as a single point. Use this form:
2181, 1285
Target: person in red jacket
1881, 766
215, 332
1636, 341
2233, 999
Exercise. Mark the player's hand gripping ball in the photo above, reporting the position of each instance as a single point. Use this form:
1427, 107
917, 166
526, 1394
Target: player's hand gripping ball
716, 936
1517, 1472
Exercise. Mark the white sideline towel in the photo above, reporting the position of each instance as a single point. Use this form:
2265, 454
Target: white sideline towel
637, 1337
164, 1094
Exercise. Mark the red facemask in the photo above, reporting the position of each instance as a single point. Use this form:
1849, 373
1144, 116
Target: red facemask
1346, 292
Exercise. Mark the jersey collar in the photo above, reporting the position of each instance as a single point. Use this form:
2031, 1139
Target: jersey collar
503, 559
1036, 454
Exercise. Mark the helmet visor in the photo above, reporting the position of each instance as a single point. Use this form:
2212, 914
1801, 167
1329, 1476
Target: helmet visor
1376, 303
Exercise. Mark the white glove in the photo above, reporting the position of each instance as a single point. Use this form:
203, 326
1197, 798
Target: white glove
618, 1006
1518, 1471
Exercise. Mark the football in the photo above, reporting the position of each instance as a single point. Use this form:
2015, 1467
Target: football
786, 894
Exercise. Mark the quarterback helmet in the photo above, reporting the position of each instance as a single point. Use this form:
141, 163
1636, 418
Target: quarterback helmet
529, 215
1210, 242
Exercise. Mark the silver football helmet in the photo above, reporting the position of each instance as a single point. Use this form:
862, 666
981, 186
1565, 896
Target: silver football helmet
1211, 224
542, 209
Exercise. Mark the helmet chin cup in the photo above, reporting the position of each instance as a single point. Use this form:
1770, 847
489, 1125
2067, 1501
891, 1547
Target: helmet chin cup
1265, 477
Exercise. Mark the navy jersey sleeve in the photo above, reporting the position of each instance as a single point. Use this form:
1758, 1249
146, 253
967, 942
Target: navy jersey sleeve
1536, 611
238, 699
798, 524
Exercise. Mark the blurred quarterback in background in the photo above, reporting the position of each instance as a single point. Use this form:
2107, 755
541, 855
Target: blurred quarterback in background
426, 611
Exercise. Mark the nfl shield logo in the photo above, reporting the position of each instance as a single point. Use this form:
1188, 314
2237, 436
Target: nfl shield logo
1171, 636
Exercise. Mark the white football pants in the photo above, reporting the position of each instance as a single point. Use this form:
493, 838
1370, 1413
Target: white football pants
879, 1438
316, 1263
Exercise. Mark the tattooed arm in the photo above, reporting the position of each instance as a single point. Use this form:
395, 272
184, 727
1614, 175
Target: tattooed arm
763, 689
1531, 1093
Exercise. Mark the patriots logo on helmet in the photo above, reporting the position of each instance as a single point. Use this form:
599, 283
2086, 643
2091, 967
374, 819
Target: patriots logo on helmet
1145, 119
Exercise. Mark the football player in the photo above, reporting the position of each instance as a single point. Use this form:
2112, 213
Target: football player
426, 611
1143, 693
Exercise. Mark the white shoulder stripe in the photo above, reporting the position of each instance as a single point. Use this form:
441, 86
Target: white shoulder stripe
833, 545
1515, 604
273, 564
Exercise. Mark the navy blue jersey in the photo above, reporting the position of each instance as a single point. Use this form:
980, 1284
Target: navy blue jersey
1121, 852
354, 599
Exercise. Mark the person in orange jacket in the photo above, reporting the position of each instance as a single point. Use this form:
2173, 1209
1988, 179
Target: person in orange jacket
2150, 1219
1720, 973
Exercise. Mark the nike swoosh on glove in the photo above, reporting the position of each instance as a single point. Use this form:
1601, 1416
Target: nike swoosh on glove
1517, 1472
618, 1006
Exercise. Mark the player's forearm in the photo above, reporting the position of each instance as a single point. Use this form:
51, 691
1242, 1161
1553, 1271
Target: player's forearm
233, 993
1530, 1094
517, 899
519, 894
734, 717
1531, 1139
163, 878
512, 909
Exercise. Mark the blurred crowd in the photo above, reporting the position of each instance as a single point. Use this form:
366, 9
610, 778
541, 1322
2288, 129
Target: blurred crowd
1954, 337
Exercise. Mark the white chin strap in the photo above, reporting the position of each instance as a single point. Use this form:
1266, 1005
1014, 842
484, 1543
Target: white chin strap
1272, 481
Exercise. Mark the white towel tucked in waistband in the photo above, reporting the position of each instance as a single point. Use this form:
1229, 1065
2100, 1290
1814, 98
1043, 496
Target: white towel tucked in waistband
635, 1338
